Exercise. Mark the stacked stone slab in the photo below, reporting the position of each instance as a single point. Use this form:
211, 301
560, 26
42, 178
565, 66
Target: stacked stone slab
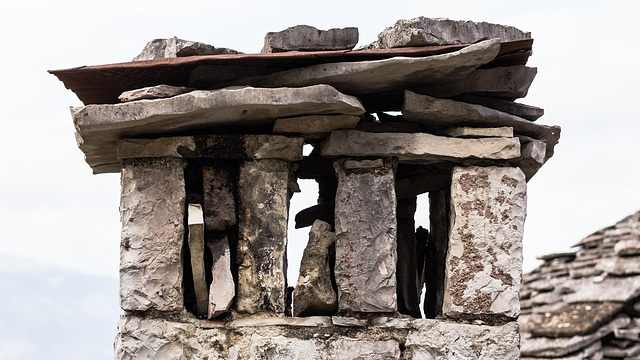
208, 172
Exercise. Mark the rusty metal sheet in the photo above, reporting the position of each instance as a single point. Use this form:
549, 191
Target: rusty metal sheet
102, 84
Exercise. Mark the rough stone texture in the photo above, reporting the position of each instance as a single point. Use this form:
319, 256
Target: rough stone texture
348, 349
365, 227
510, 82
100, 126
433, 339
533, 154
556, 347
423, 31
153, 92
629, 247
375, 76
222, 289
484, 259
219, 201
531, 113
419, 146
152, 209
196, 250
569, 320
314, 293
619, 266
174, 47
410, 257
262, 228
471, 132
315, 124
308, 38
442, 113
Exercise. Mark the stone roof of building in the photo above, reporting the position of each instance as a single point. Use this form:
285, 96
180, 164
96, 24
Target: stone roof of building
585, 304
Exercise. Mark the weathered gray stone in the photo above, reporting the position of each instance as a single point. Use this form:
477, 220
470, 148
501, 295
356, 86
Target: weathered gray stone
617, 353
260, 321
528, 112
100, 126
484, 259
375, 76
227, 146
348, 321
152, 209
628, 247
471, 132
347, 349
420, 146
606, 288
620, 266
153, 92
422, 183
556, 347
365, 227
323, 211
195, 220
533, 154
218, 200
511, 82
315, 124
442, 113
569, 320
308, 38
174, 47
222, 289
433, 339
262, 243
423, 31
314, 293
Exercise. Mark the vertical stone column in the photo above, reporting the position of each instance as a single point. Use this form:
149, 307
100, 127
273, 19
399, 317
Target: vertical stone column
262, 236
152, 210
365, 227
484, 259
408, 280
438, 239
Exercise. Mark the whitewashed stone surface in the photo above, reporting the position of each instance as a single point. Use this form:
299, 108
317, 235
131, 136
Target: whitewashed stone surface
152, 209
484, 261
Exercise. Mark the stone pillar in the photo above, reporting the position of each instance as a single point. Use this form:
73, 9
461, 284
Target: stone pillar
262, 236
484, 260
366, 235
438, 239
152, 212
408, 279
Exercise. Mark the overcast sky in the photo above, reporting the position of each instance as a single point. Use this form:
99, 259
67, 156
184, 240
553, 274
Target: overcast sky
54, 211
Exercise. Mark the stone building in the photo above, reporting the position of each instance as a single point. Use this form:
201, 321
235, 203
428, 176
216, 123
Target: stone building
584, 304
209, 144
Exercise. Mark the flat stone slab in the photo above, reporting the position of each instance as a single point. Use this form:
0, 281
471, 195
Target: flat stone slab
223, 288
434, 113
422, 31
531, 113
228, 146
511, 82
308, 38
195, 221
315, 124
471, 132
368, 77
153, 92
174, 47
99, 127
418, 146
570, 319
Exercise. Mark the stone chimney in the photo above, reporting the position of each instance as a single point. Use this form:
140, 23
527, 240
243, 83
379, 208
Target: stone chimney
209, 144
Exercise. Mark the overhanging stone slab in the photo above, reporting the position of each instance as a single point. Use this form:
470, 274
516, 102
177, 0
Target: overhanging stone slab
528, 112
418, 146
228, 146
434, 113
375, 76
100, 127
471, 132
315, 124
